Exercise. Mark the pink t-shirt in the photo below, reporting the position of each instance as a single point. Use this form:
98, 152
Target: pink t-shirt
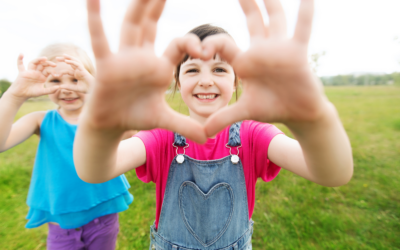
255, 138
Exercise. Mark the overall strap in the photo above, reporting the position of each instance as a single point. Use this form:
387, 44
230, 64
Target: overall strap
234, 136
179, 140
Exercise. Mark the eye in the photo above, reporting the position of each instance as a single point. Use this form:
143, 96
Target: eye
55, 80
75, 80
219, 70
192, 71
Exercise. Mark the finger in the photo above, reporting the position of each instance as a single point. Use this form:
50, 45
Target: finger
48, 71
48, 90
45, 64
39, 67
277, 19
184, 125
150, 23
131, 32
20, 63
221, 44
64, 72
225, 117
302, 32
74, 64
99, 41
255, 22
179, 47
72, 58
266, 30
60, 58
34, 64
75, 88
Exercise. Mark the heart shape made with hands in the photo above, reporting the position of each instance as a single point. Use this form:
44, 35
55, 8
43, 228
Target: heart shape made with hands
278, 85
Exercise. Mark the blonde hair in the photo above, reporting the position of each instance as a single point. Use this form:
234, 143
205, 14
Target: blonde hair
59, 49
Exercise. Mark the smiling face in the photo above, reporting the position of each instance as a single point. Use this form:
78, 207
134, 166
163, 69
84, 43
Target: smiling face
66, 99
206, 86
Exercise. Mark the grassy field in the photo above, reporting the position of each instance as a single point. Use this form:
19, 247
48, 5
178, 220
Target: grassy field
290, 212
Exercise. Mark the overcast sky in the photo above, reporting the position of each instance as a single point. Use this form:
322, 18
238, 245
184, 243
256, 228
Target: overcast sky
357, 35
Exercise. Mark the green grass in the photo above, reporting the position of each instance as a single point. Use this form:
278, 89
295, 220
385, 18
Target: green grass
290, 212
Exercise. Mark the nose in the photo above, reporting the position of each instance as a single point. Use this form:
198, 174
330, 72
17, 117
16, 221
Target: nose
206, 81
66, 91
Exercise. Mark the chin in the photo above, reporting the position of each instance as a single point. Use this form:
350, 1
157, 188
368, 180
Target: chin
71, 108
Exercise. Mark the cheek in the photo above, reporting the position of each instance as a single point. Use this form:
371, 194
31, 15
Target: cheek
228, 87
186, 86
53, 97
83, 98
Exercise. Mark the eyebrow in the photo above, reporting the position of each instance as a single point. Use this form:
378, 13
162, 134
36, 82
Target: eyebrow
189, 65
194, 64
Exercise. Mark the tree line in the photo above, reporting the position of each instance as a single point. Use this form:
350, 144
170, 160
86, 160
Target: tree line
339, 80
362, 79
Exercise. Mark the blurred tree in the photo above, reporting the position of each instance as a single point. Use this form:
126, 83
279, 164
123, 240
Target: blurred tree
364, 79
315, 60
4, 84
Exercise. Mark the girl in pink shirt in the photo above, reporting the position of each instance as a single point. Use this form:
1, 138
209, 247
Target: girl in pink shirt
206, 183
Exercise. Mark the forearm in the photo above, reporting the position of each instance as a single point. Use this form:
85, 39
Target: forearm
326, 148
9, 107
95, 153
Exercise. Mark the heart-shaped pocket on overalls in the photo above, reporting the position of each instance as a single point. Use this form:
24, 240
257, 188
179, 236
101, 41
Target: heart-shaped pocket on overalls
206, 216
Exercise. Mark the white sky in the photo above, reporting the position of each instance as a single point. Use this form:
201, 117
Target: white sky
357, 35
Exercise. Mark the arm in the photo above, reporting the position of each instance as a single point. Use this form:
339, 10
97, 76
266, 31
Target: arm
13, 134
279, 86
129, 93
104, 155
321, 154
29, 83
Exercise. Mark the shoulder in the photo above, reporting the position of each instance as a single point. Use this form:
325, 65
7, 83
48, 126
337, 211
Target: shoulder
36, 117
33, 119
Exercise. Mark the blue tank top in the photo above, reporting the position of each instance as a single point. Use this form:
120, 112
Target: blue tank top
56, 193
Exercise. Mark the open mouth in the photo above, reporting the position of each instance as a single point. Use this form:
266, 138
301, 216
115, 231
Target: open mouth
206, 97
69, 100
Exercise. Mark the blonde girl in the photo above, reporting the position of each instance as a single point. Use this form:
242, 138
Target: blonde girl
79, 215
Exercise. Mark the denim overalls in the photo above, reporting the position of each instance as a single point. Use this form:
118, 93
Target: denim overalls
205, 203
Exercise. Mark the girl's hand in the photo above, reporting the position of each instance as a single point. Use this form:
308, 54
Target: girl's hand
278, 84
84, 78
30, 81
129, 93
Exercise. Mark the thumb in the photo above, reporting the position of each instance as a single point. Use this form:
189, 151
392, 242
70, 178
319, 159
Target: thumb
221, 44
49, 90
20, 63
225, 117
184, 125
82, 88
179, 47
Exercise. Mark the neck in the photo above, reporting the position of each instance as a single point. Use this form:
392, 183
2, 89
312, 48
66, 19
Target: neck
71, 116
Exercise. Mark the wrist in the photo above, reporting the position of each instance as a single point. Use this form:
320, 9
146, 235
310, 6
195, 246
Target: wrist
327, 118
90, 123
9, 95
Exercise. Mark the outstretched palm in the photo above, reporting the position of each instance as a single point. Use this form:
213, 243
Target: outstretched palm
130, 85
278, 85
